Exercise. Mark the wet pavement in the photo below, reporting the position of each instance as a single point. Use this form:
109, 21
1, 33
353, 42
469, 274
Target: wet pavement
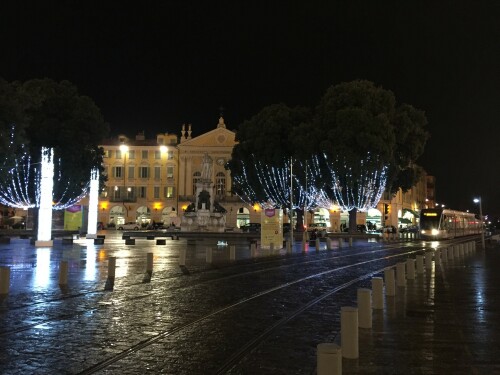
192, 320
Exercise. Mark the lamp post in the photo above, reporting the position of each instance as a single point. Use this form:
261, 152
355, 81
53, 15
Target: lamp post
163, 151
124, 149
479, 200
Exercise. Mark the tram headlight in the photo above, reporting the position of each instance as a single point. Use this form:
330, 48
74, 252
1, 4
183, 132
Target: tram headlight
422, 231
434, 232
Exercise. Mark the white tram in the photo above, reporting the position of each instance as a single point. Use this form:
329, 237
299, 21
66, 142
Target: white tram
439, 223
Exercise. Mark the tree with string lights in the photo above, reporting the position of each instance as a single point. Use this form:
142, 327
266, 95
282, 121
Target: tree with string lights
41, 114
356, 145
261, 161
369, 144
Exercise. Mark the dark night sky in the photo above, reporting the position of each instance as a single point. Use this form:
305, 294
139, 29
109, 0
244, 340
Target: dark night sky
159, 64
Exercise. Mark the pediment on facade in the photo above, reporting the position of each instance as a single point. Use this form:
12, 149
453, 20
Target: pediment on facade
219, 137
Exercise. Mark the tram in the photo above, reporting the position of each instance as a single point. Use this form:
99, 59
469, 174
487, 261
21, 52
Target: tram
441, 223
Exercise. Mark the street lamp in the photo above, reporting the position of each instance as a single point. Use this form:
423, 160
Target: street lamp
124, 150
478, 200
163, 151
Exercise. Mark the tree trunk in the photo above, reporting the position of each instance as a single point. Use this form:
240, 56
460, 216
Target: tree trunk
300, 221
353, 226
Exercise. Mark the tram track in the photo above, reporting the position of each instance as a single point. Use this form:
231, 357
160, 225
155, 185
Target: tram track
251, 344
293, 261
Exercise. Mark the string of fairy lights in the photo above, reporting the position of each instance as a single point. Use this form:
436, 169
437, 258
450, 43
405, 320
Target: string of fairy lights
21, 187
349, 186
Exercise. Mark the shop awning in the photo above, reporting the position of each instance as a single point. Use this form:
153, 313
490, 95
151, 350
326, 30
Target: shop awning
414, 213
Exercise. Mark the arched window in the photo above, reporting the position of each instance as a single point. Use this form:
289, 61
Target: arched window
196, 178
220, 184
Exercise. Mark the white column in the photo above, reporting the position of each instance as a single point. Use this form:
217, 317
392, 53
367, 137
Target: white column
93, 204
44, 237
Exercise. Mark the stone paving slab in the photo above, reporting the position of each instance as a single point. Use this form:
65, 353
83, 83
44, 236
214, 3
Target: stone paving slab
444, 322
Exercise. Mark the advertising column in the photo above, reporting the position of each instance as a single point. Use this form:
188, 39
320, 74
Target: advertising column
271, 231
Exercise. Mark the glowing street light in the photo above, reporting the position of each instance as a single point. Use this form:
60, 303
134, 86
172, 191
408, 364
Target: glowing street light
478, 200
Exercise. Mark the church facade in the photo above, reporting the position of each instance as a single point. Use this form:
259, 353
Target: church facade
156, 180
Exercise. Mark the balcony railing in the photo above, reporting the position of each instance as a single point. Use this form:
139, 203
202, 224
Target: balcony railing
126, 199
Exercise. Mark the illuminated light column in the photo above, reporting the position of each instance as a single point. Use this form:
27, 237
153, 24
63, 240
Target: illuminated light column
44, 237
93, 204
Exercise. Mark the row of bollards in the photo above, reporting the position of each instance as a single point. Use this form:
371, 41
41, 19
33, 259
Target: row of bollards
64, 267
329, 355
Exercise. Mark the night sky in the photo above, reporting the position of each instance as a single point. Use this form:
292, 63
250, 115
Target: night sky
160, 64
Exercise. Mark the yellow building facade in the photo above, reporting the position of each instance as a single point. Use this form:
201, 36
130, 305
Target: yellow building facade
154, 180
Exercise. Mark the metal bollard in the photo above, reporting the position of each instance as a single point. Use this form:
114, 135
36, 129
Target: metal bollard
350, 241
111, 268
341, 242
232, 252
364, 308
349, 332
410, 269
4, 280
288, 247
317, 244
390, 285
329, 359
420, 264
377, 293
63, 273
401, 274
209, 255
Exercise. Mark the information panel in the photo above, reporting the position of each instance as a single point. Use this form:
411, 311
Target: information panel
271, 231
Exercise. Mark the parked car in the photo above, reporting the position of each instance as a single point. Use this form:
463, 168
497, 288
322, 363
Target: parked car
360, 228
131, 225
251, 227
316, 226
156, 226
410, 229
18, 225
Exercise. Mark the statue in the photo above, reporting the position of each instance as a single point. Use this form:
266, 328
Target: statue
191, 208
204, 198
206, 167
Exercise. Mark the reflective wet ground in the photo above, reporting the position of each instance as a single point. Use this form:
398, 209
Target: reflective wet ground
446, 321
